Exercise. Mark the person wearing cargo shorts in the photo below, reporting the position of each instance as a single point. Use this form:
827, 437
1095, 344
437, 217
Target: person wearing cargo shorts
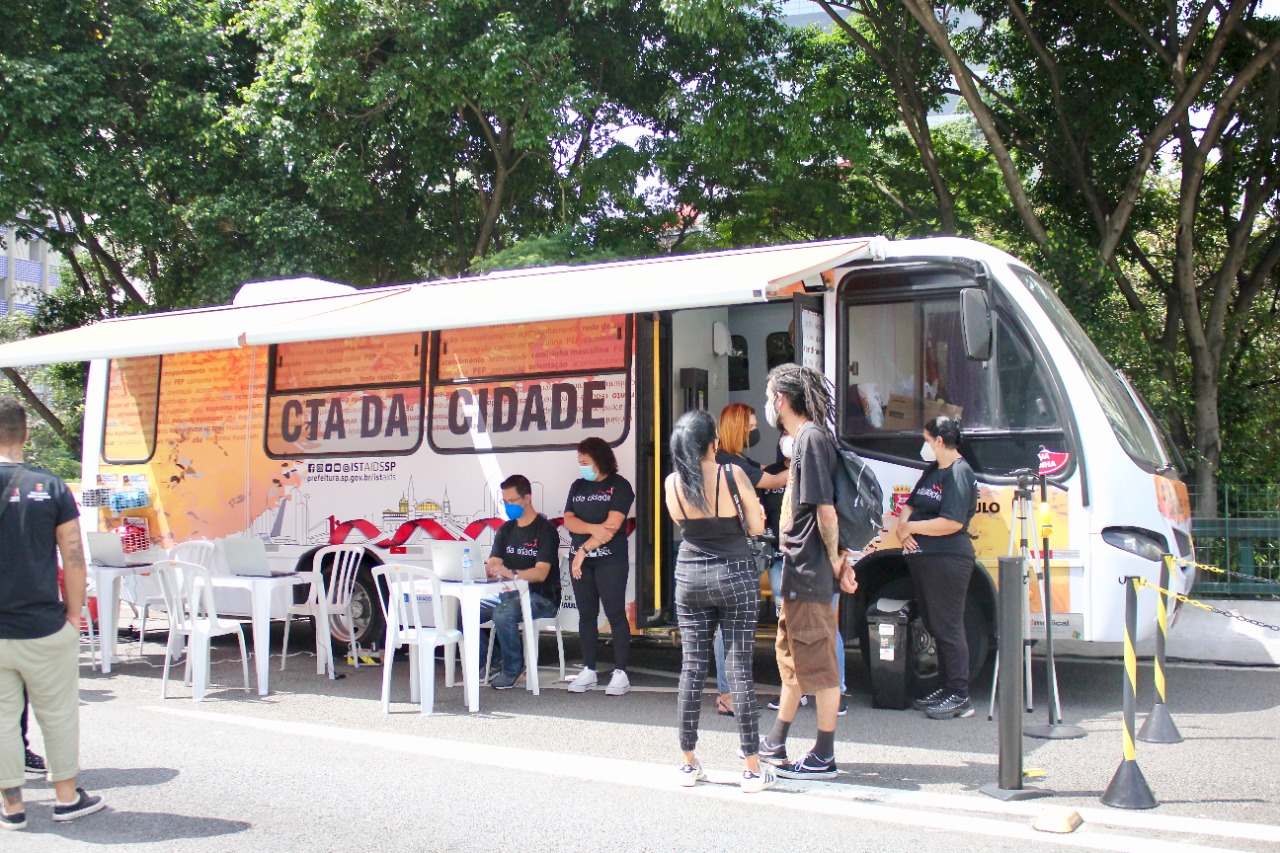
39, 630
799, 401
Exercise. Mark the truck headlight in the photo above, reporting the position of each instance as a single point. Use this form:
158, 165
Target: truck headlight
1141, 543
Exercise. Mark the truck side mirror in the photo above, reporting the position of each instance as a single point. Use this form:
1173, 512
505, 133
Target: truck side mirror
975, 323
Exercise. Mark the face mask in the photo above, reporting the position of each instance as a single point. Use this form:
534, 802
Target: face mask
788, 446
753, 438
927, 454
770, 413
588, 473
514, 511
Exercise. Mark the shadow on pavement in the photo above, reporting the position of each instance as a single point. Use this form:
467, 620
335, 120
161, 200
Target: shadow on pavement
128, 827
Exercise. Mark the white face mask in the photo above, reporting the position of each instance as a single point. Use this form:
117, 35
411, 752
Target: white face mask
770, 413
927, 454
787, 445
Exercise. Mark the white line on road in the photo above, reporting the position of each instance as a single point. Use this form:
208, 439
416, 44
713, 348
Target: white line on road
906, 808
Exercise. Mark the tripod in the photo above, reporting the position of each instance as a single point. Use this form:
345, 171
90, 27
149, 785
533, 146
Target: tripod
1021, 525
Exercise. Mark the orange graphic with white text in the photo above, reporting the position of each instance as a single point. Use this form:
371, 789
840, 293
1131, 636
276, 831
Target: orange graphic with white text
1173, 499
547, 347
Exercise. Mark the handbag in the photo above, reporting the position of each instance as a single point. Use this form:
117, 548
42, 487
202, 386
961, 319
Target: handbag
761, 554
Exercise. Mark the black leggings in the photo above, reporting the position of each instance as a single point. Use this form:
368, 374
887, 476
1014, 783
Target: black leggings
603, 584
942, 586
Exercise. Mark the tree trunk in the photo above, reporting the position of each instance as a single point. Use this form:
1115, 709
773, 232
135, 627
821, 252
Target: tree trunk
46, 414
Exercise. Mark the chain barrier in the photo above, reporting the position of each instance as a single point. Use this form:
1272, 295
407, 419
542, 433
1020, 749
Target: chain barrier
1192, 564
1200, 604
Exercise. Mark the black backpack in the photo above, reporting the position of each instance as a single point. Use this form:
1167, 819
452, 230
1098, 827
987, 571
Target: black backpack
859, 500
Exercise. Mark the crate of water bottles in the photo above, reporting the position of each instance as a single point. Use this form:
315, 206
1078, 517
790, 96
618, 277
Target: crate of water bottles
128, 498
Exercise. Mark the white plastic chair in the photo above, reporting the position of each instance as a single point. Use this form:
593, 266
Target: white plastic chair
406, 619
548, 624
199, 553
323, 604
188, 597
93, 643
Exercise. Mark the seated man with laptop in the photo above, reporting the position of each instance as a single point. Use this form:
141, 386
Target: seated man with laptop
525, 548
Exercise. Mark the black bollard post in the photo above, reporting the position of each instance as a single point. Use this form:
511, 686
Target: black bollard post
1055, 730
1009, 784
1129, 788
1159, 727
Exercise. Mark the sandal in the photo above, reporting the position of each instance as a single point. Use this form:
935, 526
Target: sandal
724, 707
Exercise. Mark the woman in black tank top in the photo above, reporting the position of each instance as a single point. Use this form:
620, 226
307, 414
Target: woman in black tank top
716, 585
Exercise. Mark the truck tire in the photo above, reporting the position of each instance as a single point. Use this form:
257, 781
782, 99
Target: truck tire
366, 613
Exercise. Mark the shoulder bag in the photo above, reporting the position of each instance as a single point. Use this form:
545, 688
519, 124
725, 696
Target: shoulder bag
761, 553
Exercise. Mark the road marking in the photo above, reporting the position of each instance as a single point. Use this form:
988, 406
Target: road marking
907, 808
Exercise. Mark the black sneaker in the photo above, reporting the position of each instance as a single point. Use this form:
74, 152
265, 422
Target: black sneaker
774, 703
951, 707
770, 754
929, 701
809, 767
34, 763
83, 805
17, 820
844, 706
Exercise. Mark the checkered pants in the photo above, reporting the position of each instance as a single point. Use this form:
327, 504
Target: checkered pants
711, 592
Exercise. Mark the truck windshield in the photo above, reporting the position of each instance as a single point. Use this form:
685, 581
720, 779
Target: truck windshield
1126, 420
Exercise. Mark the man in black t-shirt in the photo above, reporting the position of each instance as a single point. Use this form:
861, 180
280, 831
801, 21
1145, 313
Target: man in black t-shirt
39, 628
525, 548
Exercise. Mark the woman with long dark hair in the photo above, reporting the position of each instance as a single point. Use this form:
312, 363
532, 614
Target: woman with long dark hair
716, 586
596, 515
933, 528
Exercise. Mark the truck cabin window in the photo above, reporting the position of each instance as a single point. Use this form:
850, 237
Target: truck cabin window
906, 364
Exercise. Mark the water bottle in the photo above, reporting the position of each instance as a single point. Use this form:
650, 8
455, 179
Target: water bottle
466, 566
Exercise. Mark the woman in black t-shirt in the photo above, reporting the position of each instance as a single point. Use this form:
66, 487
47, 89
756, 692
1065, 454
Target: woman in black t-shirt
596, 516
933, 528
738, 430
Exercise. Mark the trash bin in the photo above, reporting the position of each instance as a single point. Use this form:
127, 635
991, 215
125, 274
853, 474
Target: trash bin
889, 632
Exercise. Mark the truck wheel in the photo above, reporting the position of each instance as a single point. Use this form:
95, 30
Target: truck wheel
366, 614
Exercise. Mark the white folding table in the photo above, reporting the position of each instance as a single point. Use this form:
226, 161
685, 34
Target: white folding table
469, 596
261, 590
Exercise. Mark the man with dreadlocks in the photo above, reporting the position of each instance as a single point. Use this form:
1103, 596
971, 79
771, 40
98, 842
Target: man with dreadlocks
799, 401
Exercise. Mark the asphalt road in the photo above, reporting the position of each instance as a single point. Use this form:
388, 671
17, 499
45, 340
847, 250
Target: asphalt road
318, 766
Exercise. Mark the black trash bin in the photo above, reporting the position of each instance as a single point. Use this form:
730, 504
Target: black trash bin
889, 633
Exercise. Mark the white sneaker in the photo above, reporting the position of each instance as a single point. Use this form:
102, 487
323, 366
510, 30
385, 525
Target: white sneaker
691, 774
585, 681
754, 783
618, 684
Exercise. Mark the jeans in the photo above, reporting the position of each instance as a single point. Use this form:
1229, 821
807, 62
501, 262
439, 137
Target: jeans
941, 582
504, 610
712, 593
603, 586
775, 585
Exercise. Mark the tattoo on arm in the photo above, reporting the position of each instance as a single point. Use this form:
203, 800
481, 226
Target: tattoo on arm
69, 545
829, 527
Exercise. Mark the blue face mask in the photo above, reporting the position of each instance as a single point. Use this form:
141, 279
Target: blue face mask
513, 511
588, 473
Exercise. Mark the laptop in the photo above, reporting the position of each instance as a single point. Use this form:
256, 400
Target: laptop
248, 558
446, 560
107, 549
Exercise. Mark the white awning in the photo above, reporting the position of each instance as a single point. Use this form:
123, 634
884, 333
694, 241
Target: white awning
627, 287
517, 296
199, 329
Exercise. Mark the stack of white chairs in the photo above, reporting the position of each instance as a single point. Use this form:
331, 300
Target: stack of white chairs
324, 602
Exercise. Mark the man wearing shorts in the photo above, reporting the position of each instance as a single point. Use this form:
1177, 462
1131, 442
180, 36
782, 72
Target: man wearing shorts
798, 401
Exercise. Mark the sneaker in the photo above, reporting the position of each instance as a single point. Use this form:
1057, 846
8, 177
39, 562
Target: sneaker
929, 701
691, 774
83, 805
754, 783
844, 706
34, 763
770, 754
950, 708
618, 684
17, 820
774, 703
585, 681
502, 681
809, 767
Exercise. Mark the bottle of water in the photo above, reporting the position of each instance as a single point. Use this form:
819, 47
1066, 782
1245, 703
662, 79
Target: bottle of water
466, 566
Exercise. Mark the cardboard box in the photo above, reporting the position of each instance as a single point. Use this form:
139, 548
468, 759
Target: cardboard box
902, 414
933, 408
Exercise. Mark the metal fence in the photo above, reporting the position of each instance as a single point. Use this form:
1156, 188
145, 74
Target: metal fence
1244, 539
